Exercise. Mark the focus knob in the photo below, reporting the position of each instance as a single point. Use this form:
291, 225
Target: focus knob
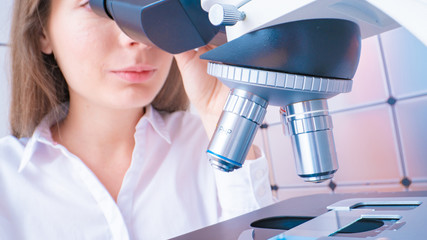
226, 15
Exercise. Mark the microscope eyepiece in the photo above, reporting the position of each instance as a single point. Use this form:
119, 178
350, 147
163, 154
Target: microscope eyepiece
172, 25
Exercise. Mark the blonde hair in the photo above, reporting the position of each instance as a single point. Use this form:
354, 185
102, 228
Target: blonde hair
38, 85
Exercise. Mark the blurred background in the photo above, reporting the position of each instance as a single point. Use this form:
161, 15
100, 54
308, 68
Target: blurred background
380, 128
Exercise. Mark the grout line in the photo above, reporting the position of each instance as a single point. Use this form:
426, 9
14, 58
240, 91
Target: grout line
387, 77
368, 105
395, 122
303, 186
347, 184
368, 184
274, 124
419, 95
419, 180
4, 45
398, 137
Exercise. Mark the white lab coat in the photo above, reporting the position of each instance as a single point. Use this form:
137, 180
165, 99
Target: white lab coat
46, 192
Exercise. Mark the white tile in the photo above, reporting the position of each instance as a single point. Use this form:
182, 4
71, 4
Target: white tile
272, 115
418, 187
370, 188
4, 92
284, 194
412, 120
406, 61
369, 83
366, 146
5, 20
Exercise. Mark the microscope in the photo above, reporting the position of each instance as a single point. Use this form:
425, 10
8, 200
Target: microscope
292, 54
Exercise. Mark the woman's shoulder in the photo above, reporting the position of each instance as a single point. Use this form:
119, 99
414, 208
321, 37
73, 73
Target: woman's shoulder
11, 150
11, 142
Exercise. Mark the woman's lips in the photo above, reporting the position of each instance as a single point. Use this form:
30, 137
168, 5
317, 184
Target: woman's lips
135, 74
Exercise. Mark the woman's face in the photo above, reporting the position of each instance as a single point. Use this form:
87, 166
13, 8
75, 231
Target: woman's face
99, 62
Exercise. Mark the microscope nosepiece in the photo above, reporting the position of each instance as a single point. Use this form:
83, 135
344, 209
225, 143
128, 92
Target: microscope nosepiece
242, 115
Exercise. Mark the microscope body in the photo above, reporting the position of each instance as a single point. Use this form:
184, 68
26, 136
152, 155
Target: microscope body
292, 54
299, 66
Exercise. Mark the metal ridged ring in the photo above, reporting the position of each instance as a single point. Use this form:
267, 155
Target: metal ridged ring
278, 79
250, 106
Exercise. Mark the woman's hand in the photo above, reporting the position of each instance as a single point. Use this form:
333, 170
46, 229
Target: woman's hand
205, 92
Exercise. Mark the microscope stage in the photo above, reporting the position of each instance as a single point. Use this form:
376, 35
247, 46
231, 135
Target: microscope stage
385, 216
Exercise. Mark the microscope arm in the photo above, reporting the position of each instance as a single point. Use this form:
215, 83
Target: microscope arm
410, 14
372, 16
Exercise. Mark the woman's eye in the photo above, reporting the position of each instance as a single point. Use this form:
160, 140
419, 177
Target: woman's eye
85, 4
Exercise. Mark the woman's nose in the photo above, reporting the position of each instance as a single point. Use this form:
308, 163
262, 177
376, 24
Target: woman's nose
126, 41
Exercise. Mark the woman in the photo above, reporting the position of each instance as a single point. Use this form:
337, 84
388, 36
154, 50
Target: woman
101, 146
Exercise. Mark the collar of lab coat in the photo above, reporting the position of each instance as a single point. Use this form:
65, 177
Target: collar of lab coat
43, 135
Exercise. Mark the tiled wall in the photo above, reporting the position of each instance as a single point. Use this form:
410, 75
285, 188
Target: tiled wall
5, 18
380, 128
4, 92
